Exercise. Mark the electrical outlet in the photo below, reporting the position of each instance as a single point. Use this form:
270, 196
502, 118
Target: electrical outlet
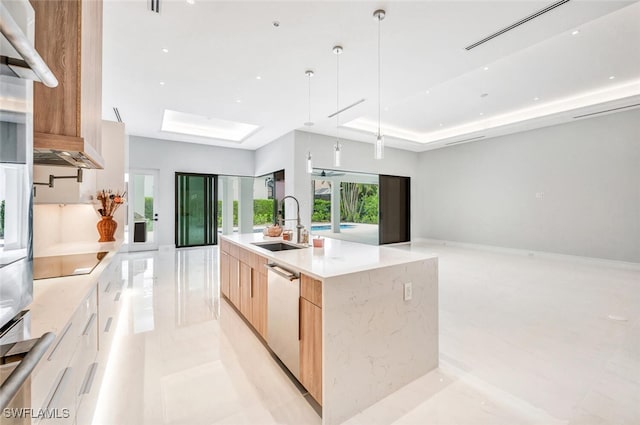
408, 291
539, 195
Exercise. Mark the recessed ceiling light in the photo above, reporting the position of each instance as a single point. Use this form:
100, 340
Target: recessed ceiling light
440, 124
191, 1
575, 32
258, 77
427, 92
162, 83
486, 68
165, 50
276, 24
238, 101
481, 113
613, 77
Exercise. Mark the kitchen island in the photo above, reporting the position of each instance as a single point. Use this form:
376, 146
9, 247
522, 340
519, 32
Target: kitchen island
368, 322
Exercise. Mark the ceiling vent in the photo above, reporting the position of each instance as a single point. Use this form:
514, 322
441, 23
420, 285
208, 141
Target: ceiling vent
517, 24
118, 117
465, 140
154, 5
606, 110
346, 108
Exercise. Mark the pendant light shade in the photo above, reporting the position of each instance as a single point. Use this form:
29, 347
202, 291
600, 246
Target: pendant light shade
379, 152
379, 15
309, 163
337, 148
337, 152
309, 73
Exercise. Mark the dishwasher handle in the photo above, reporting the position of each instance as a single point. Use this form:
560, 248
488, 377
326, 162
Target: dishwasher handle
289, 275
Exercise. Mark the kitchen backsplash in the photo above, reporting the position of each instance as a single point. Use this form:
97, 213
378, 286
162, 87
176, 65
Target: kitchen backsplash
55, 224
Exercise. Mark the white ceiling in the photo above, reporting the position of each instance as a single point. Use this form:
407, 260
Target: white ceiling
217, 49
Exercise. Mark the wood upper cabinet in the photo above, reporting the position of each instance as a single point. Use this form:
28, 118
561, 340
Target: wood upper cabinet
311, 336
68, 36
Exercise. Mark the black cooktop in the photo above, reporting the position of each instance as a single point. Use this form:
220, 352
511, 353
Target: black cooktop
66, 265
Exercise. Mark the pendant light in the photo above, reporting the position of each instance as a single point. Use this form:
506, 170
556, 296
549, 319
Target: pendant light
337, 148
379, 147
309, 123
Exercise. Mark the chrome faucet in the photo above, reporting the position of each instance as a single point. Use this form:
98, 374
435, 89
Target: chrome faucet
281, 220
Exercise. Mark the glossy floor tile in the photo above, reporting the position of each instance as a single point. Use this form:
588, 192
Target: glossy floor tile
523, 340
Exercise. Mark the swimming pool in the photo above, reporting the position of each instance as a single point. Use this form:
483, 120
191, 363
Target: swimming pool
328, 226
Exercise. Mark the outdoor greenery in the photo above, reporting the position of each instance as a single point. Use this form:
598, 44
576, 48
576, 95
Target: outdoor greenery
321, 211
2, 219
148, 211
262, 212
358, 204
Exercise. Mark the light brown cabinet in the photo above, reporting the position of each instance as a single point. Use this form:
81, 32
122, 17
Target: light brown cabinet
224, 273
246, 290
243, 281
234, 280
311, 336
68, 36
259, 303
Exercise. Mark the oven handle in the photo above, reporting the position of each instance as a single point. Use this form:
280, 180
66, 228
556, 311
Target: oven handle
20, 42
13, 383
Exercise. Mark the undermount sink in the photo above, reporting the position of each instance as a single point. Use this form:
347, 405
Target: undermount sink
277, 246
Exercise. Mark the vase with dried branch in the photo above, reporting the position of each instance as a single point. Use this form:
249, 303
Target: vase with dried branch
108, 203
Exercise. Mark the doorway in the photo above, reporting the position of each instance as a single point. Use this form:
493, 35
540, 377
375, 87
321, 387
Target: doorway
143, 220
196, 209
395, 209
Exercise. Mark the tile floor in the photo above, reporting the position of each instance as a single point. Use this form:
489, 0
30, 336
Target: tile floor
523, 340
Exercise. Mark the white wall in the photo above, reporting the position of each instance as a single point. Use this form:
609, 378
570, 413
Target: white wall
68, 214
356, 156
170, 157
570, 189
275, 156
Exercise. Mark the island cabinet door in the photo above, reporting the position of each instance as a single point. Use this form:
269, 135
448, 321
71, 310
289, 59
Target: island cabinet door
311, 348
224, 273
259, 303
234, 280
246, 289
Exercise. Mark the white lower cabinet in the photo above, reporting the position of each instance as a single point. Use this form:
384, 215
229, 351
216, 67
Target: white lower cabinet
66, 383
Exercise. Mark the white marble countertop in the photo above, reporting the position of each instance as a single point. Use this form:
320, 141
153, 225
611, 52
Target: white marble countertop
335, 259
78, 248
56, 300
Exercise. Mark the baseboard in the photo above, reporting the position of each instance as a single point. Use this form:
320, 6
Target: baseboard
531, 253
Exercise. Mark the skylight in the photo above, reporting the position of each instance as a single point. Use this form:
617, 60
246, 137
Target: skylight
202, 126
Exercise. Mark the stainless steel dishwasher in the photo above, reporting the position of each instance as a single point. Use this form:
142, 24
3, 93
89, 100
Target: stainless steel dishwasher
283, 316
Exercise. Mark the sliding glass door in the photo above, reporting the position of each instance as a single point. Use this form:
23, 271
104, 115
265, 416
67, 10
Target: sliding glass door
196, 209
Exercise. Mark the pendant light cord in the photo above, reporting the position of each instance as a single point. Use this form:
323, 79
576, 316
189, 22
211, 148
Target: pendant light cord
379, 71
309, 77
338, 98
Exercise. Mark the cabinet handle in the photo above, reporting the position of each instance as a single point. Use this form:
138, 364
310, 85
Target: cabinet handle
88, 379
107, 326
64, 333
59, 388
87, 328
108, 287
117, 297
251, 284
